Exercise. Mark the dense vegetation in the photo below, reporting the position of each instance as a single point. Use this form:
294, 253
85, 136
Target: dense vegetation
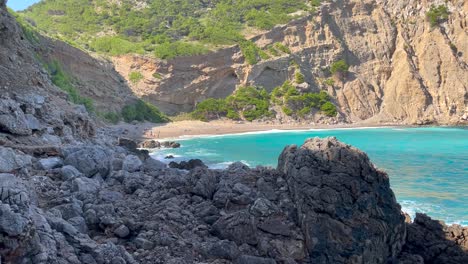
437, 14
142, 111
166, 28
251, 103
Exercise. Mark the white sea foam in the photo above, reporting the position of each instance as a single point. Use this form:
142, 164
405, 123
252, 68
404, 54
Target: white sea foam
413, 207
271, 131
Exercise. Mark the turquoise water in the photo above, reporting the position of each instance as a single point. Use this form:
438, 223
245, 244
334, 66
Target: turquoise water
428, 167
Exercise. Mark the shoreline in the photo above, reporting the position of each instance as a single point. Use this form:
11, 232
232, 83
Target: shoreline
190, 129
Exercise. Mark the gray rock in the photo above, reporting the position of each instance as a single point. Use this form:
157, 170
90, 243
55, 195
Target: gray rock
245, 259
263, 207
223, 249
69, 172
205, 182
132, 163
79, 223
237, 227
335, 187
122, 231
85, 185
11, 223
143, 243
151, 164
13, 191
50, 163
12, 118
10, 160
91, 161
32, 122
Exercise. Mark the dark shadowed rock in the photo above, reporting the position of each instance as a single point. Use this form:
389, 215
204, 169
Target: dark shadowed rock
187, 165
345, 206
245, 259
434, 242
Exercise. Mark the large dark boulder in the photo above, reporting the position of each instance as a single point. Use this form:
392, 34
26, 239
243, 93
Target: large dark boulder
345, 206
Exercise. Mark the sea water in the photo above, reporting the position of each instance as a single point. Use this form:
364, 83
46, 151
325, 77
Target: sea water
428, 167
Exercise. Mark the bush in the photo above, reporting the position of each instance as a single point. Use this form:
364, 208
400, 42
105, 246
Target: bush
279, 46
116, 46
112, 117
329, 82
135, 77
64, 81
339, 67
250, 51
437, 14
210, 109
288, 111
142, 111
329, 109
299, 77
167, 50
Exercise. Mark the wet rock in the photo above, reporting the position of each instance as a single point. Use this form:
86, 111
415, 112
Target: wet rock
169, 157
187, 165
150, 144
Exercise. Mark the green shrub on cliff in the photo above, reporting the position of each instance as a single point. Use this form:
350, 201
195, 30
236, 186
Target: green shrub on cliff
64, 81
143, 111
339, 67
299, 77
210, 109
135, 77
329, 109
437, 14
250, 51
169, 50
115, 46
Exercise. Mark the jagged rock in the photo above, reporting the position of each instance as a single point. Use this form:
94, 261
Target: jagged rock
132, 163
150, 144
237, 227
187, 165
335, 187
69, 172
223, 249
85, 185
434, 242
11, 223
205, 182
10, 160
12, 118
151, 164
50, 163
245, 259
91, 161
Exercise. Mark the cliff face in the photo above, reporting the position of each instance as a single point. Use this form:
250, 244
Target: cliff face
32, 110
402, 70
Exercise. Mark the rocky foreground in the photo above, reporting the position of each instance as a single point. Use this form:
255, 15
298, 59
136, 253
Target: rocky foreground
73, 193
103, 203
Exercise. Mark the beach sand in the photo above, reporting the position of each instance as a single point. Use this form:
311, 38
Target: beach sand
180, 129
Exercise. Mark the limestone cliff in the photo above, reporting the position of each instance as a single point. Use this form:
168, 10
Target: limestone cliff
402, 69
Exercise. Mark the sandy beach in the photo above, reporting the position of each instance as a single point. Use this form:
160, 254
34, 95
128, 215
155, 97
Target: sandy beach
180, 129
